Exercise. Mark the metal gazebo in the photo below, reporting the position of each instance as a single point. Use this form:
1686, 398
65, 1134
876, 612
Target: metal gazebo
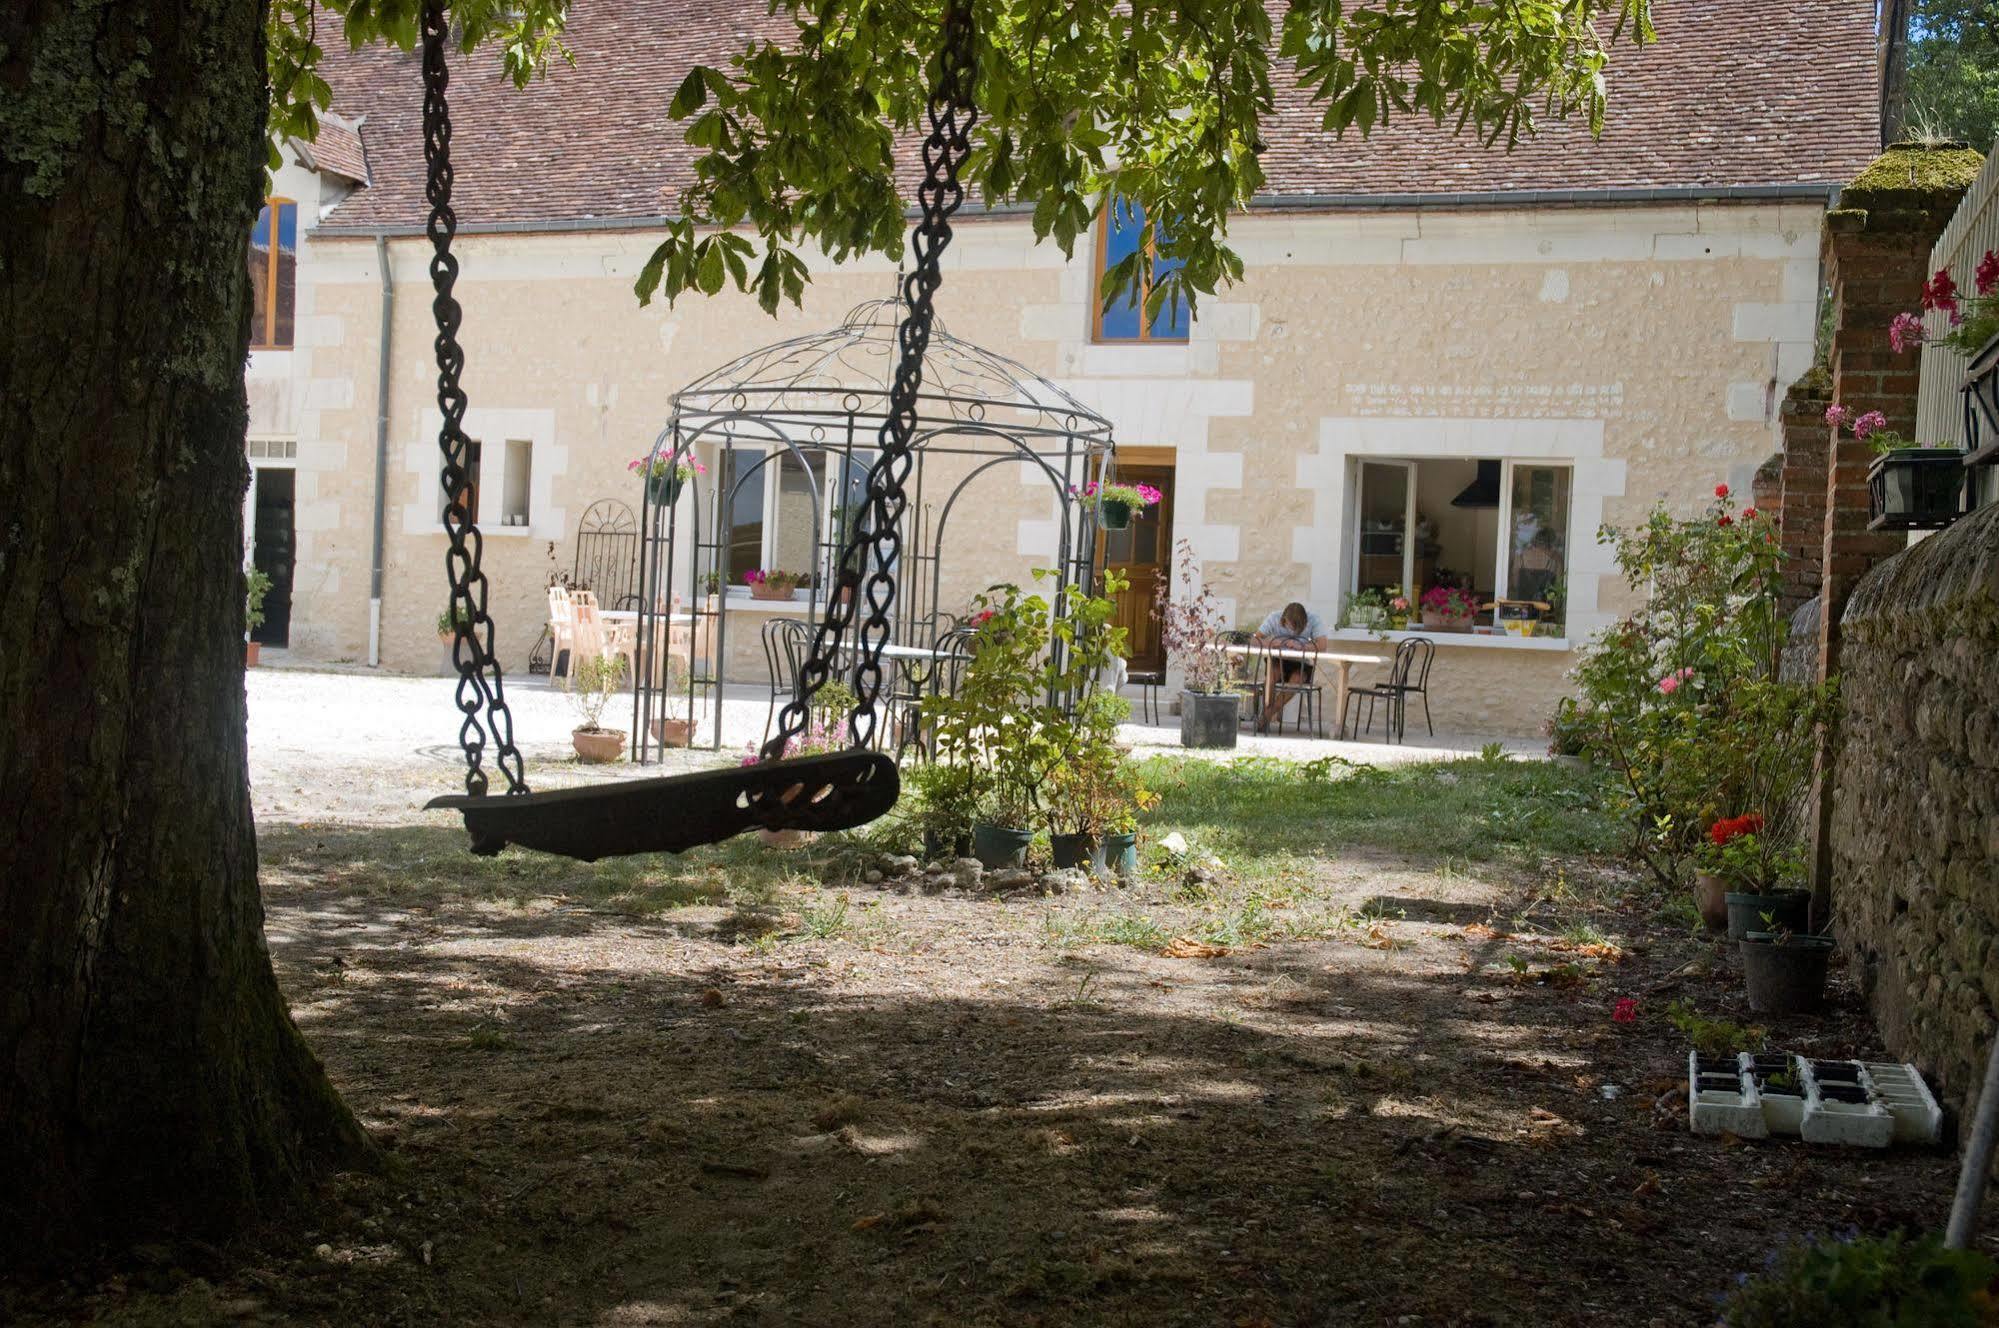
819, 401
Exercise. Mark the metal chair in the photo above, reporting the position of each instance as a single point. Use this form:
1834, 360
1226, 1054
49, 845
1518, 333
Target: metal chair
786, 642
1148, 682
1413, 658
1308, 689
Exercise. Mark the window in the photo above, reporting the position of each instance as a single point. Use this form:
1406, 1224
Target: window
273, 275
1495, 528
1119, 235
774, 499
520, 469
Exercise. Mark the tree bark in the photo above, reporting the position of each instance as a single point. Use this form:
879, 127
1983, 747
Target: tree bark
151, 1078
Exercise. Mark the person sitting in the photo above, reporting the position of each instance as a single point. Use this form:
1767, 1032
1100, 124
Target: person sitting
1293, 627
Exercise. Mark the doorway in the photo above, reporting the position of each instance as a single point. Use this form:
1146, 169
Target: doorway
1142, 553
271, 549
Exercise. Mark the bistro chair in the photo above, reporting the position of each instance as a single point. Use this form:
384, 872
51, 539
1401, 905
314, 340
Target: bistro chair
1408, 674
785, 642
948, 657
1307, 689
1148, 682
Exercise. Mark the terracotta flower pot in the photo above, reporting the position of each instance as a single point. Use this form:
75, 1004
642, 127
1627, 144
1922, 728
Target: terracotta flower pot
1439, 621
597, 746
672, 732
1711, 899
764, 590
252, 650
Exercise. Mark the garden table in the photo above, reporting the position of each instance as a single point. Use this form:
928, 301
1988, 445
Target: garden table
1340, 661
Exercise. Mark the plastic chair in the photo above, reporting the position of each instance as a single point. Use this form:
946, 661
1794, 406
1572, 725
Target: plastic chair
562, 631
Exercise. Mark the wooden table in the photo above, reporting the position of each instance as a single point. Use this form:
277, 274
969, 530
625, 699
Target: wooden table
1341, 662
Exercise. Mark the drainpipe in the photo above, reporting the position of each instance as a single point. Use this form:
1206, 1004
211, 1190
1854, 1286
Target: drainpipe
381, 453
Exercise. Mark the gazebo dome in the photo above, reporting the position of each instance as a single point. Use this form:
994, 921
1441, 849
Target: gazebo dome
845, 372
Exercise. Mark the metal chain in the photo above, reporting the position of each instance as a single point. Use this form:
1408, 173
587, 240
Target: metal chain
877, 537
479, 682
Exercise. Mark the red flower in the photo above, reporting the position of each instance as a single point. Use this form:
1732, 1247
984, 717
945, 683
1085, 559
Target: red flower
1734, 827
1725, 520
1625, 1011
1986, 278
1748, 514
1721, 491
1940, 294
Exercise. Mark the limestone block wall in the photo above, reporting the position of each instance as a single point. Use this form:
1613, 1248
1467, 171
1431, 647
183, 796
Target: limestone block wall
1915, 824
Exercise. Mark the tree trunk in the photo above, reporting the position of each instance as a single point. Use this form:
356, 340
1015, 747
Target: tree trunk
151, 1078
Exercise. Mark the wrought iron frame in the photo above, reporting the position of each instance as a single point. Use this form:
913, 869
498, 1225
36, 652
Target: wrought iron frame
828, 392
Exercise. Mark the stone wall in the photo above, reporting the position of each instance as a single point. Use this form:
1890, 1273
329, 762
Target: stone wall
1915, 822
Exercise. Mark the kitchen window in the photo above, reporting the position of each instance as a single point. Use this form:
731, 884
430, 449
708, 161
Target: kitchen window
773, 498
1495, 528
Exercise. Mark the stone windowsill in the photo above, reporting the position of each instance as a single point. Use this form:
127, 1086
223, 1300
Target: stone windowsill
1454, 639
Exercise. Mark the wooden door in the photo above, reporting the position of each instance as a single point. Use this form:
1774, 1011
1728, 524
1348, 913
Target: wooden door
1143, 554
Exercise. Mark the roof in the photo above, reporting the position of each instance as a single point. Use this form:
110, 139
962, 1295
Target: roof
338, 149
1736, 95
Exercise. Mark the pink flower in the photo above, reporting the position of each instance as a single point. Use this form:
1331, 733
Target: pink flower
1721, 491
1868, 423
1905, 333
1671, 682
1986, 278
1837, 415
1625, 1011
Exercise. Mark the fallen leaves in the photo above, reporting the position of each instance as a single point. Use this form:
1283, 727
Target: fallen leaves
1186, 947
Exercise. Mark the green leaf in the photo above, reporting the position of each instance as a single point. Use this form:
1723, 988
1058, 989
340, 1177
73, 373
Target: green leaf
692, 94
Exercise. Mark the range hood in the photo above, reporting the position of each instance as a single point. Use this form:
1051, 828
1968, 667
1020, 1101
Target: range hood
1483, 491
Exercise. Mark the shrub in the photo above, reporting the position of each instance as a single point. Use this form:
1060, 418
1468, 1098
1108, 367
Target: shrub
1868, 1282
596, 681
1681, 696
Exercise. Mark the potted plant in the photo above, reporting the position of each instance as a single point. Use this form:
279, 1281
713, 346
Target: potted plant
711, 589
770, 583
1188, 626
671, 729
1399, 609
1118, 503
256, 585
447, 624
948, 800
1448, 609
1367, 609
597, 681
664, 475
1748, 868
1910, 487
1784, 970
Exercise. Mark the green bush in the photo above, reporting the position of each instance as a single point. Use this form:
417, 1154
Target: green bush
1681, 699
1868, 1282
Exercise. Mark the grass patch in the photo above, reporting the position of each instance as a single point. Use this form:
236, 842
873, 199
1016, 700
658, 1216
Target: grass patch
1268, 818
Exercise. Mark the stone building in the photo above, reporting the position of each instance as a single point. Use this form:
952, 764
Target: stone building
1443, 363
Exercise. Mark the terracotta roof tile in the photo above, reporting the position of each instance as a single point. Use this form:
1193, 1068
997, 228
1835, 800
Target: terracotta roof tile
338, 149
1735, 93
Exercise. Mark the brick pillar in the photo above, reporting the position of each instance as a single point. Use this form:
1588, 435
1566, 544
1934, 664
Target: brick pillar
1877, 250
1801, 486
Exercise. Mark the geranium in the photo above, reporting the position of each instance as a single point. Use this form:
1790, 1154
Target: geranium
1400, 604
1868, 423
1449, 602
1940, 294
1749, 514
1837, 415
1724, 520
1986, 278
1625, 1011
1871, 428
1905, 333
772, 577
1131, 495
659, 466
1732, 828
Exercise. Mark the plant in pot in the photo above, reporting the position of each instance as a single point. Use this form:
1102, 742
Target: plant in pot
1117, 504
711, 589
947, 801
1189, 622
673, 729
447, 624
1745, 871
1366, 609
256, 585
1448, 608
1081, 721
597, 681
1783, 971
1399, 609
770, 583
1910, 487
665, 474
995, 726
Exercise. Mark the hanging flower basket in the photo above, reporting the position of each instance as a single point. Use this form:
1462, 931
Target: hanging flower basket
664, 476
1916, 488
1117, 504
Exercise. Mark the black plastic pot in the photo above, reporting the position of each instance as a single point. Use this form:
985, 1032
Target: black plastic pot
1787, 976
1208, 719
1000, 845
1113, 515
1085, 851
1121, 853
1916, 488
1789, 910
937, 844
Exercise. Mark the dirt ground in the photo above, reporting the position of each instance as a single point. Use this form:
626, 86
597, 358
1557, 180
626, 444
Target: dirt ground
1401, 1100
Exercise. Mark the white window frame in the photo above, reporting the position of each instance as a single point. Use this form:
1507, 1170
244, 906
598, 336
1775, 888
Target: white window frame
1502, 555
771, 476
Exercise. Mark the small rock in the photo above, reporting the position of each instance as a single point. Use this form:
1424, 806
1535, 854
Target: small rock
1611, 1092
871, 876
1009, 878
968, 873
1175, 843
898, 864
933, 868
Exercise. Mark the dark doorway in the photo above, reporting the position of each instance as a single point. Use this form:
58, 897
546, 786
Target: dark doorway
271, 551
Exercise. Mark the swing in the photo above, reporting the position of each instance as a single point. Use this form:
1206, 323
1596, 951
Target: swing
836, 791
